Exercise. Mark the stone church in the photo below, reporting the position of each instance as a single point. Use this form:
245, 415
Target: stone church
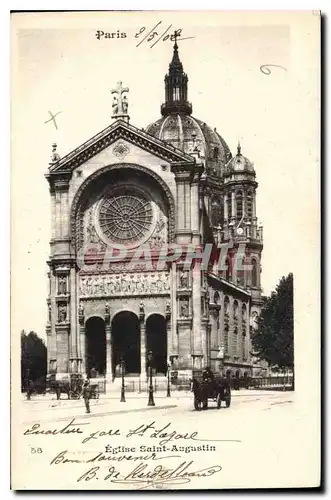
175, 184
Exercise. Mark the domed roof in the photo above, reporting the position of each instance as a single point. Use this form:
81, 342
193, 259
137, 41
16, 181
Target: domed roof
186, 132
239, 163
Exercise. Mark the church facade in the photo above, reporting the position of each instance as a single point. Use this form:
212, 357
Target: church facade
155, 247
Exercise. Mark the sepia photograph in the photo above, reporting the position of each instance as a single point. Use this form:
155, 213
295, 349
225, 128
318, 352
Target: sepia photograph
165, 228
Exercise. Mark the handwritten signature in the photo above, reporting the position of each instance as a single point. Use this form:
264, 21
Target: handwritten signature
144, 476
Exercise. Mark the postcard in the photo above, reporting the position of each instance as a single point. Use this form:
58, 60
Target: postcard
165, 250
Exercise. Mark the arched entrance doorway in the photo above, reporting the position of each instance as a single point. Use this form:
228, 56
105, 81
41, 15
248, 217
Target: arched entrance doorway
126, 341
156, 341
95, 346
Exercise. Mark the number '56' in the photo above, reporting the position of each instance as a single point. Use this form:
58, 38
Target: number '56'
36, 450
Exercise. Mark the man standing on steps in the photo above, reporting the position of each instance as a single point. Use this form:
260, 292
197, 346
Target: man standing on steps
86, 395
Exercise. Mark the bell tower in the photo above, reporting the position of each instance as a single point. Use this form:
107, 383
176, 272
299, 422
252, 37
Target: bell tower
176, 87
240, 224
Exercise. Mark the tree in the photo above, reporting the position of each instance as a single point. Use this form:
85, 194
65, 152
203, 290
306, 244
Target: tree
273, 338
33, 358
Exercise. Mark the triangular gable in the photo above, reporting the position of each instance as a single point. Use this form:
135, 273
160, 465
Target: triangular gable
119, 130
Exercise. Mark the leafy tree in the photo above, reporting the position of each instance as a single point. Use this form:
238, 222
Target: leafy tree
33, 358
273, 338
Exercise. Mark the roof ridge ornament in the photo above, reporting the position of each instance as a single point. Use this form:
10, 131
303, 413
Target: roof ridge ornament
238, 148
55, 155
120, 103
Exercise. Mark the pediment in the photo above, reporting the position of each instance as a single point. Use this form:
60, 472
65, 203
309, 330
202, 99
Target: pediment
111, 134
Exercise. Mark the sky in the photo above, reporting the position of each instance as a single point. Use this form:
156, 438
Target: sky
59, 65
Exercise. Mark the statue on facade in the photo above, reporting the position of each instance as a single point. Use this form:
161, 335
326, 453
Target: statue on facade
183, 279
62, 285
141, 309
115, 105
107, 310
120, 102
125, 104
62, 314
184, 308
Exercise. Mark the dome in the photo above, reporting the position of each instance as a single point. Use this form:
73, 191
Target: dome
239, 163
186, 132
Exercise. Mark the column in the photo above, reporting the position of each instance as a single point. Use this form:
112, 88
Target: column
233, 204
53, 216
180, 203
82, 342
65, 214
195, 212
196, 310
57, 214
74, 348
142, 346
109, 367
174, 334
225, 203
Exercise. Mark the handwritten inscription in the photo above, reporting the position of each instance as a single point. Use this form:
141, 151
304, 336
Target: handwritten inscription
144, 34
143, 465
164, 434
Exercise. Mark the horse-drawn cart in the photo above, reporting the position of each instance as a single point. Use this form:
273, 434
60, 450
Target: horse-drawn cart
70, 384
216, 390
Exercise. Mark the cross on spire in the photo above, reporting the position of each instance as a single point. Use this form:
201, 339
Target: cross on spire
175, 36
120, 103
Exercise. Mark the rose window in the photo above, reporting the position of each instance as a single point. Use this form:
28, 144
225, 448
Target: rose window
125, 216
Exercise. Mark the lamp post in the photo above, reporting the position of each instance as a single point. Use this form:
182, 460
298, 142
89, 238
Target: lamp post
220, 356
150, 392
122, 386
168, 384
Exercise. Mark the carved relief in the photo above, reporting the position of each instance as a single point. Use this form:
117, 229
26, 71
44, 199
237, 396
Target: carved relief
124, 284
121, 150
81, 313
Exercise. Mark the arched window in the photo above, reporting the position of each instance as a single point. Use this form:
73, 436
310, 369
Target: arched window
175, 95
229, 205
249, 203
215, 153
235, 309
254, 272
244, 311
239, 202
227, 269
226, 305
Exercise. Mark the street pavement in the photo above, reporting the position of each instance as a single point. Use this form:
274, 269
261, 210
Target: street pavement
48, 409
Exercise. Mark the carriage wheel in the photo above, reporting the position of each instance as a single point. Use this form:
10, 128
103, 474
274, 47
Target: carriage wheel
205, 404
219, 401
197, 404
228, 399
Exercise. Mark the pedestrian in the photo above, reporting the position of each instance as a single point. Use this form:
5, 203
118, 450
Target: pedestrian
29, 390
86, 395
